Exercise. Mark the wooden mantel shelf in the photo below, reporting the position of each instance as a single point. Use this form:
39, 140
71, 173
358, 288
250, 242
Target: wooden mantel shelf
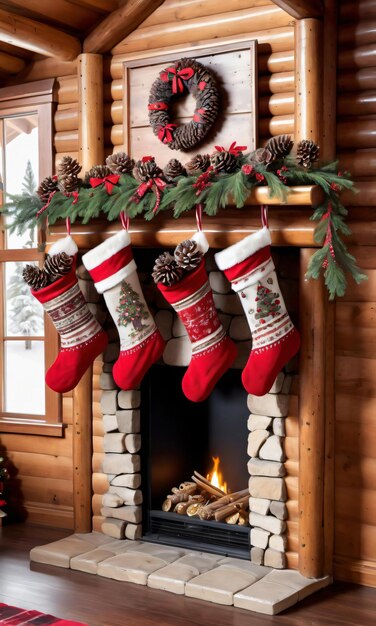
289, 223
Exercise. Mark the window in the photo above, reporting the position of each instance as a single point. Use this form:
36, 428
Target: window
28, 341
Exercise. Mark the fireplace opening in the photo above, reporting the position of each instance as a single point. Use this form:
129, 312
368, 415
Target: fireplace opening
181, 438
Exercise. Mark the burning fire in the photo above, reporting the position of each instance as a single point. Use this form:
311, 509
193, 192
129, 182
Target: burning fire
215, 476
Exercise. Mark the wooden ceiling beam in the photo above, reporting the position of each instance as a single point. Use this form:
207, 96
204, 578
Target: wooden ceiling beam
299, 9
32, 35
11, 64
119, 24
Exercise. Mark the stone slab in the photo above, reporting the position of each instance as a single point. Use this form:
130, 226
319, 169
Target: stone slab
293, 579
239, 328
133, 531
111, 500
129, 496
256, 438
128, 420
275, 558
220, 584
274, 405
267, 522
126, 480
121, 463
163, 320
136, 565
259, 422
266, 487
106, 381
174, 576
272, 449
278, 542
133, 443
228, 303
130, 399
260, 467
259, 505
269, 598
114, 442
178, 328
110, 423
132, 514
59, 553
109, 401
219, 282
279, 509
278, 383
114, 528
178, 351
259, 538
257, 555
279, 426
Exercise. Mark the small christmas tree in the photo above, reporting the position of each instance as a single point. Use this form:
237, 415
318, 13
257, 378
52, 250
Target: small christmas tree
268, 303
25, 313
130, 309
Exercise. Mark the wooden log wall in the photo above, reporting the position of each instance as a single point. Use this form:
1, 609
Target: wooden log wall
355, 361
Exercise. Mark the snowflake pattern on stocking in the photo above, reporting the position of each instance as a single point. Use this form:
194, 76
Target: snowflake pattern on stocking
200, 319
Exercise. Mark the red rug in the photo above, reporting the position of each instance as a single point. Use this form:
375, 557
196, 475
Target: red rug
11, 616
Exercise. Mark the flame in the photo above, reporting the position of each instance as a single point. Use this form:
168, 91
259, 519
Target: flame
215, 476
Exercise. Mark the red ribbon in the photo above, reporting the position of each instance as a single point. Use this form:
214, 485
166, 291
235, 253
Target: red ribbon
178, 76
108, 181
158, 106
47, 203
166, 133
233, 149
158, 189
198, 115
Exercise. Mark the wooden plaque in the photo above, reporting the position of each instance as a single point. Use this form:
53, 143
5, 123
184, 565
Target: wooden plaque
235, 69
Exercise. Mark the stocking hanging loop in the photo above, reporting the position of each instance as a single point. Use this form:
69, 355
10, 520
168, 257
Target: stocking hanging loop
264, 215
68, 225
199, 217
124, 218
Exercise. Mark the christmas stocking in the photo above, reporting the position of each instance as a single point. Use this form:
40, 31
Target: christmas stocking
212, 351
82, 338
113, 269
249, 267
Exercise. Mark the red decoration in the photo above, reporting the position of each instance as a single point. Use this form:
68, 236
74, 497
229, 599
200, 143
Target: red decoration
177, 77
158, 106
198, 115
233, 149
159, 186
108, 181
166, 133
247, 170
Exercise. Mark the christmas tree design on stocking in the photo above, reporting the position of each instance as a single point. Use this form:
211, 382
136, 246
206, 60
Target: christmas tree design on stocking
82, 338
113, 269
249, 267
213, 351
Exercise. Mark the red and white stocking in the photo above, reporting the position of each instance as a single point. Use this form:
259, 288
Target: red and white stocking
82, 338
249, 267
113, 269
213, 352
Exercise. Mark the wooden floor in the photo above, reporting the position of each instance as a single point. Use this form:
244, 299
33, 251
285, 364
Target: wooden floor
102, 602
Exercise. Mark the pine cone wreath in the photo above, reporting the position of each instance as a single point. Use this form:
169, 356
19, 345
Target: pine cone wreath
198, 164
147, 168
223, 161
187, 255
120, 163
280, 146
173, 170
47, 186
166, 270
97, 171
307, 153
57, 265
34, 277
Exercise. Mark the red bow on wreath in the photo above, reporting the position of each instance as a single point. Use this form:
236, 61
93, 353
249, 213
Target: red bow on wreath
108, 181
165, 133
233, 149
199, 115
177, 77
144, 187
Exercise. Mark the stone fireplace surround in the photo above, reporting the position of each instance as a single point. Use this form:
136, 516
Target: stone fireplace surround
262, 584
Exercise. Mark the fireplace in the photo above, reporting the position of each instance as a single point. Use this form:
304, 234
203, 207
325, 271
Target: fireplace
179, 438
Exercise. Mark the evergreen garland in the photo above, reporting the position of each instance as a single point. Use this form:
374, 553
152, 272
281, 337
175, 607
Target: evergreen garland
213, 191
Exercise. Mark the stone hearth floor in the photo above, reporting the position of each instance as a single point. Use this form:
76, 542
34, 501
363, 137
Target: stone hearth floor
209, 577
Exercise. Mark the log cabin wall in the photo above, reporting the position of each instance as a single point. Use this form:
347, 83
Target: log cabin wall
355, 364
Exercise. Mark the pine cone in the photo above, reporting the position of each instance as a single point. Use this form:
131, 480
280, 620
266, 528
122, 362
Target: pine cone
198, 164
165, 270
97, 171
120, 163
173, 170
263, 156
35, 277
187, 255
307, 153
69, 184
146, 169
57, 265
280, 146
224, 162
68, 167
47, 186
